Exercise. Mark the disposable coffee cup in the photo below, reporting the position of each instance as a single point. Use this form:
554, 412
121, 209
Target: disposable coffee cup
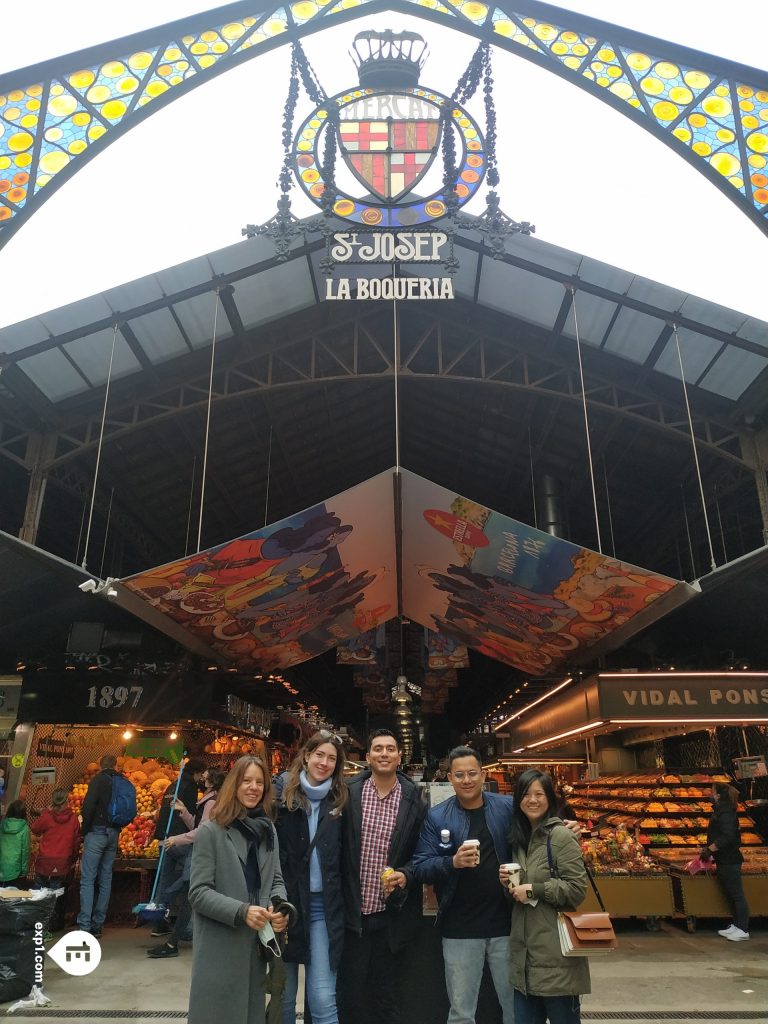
513, 875
475, 845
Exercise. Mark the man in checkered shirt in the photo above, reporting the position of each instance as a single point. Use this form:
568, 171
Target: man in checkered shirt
382, 823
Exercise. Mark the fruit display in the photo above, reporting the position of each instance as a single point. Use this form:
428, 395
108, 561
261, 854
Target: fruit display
234, 745
617, 852
755, 860
137, 838
666, 810
151, 779
76, 797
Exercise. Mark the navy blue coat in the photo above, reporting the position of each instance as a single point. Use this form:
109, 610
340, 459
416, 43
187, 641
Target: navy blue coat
433, 864
293, 837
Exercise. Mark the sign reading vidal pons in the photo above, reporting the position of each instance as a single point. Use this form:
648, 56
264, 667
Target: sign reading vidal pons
391, 249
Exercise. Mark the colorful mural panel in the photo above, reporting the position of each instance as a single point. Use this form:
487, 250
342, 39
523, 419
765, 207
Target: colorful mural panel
281, 595
444, 652
365, 649
516, 594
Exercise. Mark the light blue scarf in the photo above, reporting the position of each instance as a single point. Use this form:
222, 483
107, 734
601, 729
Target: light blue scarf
315, 794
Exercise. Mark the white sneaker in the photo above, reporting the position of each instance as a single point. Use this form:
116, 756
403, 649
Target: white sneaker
737, 935
726, 932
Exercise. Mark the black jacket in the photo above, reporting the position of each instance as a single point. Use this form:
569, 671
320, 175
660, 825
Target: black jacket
723, 830
188, 796
293, 837
404, 906
95, 809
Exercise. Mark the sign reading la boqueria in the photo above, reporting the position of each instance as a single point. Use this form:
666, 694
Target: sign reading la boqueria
659, 696
392, 249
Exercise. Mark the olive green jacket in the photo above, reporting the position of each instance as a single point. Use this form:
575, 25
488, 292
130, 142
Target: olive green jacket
538, 966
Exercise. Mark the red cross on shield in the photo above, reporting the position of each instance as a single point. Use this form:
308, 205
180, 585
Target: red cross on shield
389, 156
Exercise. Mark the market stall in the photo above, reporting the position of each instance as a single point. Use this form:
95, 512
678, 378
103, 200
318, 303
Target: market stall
146, 726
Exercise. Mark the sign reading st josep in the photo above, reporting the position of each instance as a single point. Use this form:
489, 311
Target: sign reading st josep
393, 249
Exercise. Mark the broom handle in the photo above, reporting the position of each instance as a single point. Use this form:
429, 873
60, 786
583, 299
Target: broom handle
167, 830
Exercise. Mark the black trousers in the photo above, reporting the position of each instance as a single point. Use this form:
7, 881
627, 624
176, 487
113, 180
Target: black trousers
731, 881
370, 976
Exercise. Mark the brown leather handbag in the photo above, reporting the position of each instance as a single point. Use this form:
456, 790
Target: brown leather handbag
580, 933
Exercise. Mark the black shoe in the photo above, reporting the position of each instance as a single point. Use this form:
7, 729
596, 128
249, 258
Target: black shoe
95, 932
161, 952
160, 928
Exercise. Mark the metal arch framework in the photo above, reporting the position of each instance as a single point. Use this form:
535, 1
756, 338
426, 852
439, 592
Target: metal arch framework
57, 115
356, 348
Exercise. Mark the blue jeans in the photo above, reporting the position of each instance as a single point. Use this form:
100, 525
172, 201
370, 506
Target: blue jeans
464, 960
99, 850
539, 1009
320, 980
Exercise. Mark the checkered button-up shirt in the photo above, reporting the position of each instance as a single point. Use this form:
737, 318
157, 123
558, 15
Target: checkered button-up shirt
379, 817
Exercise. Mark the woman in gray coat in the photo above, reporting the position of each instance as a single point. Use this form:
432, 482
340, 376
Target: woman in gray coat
235, 881
547, 984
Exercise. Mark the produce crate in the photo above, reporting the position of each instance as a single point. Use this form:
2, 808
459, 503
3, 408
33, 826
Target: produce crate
647, 896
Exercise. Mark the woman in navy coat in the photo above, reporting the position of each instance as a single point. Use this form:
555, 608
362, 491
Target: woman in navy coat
309, 830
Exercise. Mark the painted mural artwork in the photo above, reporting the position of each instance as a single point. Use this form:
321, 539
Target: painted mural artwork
444, 651
281, 595
516, 594
365, 649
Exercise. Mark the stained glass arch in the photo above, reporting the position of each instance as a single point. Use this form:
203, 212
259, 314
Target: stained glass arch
56, 116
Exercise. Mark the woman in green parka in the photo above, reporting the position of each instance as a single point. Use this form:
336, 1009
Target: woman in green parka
14, 845
547, 984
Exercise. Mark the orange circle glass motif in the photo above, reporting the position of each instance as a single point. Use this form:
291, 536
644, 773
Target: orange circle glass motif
434, 208
371, 216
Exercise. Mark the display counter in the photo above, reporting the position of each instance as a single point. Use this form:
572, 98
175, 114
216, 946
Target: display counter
643, 896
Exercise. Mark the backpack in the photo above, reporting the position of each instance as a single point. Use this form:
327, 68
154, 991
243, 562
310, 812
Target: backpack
122, 805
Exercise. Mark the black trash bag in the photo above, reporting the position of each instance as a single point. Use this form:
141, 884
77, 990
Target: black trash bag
23, 923
12, 987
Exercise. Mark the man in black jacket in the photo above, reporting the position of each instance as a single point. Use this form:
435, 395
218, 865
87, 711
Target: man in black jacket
381, 827
99, 848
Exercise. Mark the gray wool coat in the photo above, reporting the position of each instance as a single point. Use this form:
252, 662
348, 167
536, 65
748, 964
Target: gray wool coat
227, 969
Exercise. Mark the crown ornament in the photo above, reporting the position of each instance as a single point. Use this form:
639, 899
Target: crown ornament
390, 60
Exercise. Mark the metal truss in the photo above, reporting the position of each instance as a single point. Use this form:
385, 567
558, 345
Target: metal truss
60, 114
70, 478
356, 348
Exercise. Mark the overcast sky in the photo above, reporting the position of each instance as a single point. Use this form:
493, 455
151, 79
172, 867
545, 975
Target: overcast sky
185, 181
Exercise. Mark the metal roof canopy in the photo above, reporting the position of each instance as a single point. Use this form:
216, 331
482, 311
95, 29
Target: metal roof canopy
169, 313
501, 357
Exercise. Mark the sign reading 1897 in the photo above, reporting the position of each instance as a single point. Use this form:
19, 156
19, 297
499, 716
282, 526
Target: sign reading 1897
114, 696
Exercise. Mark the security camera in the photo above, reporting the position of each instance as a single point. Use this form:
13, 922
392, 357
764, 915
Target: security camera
89, 587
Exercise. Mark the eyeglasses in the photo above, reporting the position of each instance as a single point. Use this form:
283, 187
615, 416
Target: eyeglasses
470, 776
331, 737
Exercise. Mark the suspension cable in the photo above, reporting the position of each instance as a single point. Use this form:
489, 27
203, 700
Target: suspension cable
712, 562
586, 422
98, 450
396, 349
208, 420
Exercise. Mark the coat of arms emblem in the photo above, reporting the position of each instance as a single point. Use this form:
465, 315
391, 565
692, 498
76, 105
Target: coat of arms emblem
389, 131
